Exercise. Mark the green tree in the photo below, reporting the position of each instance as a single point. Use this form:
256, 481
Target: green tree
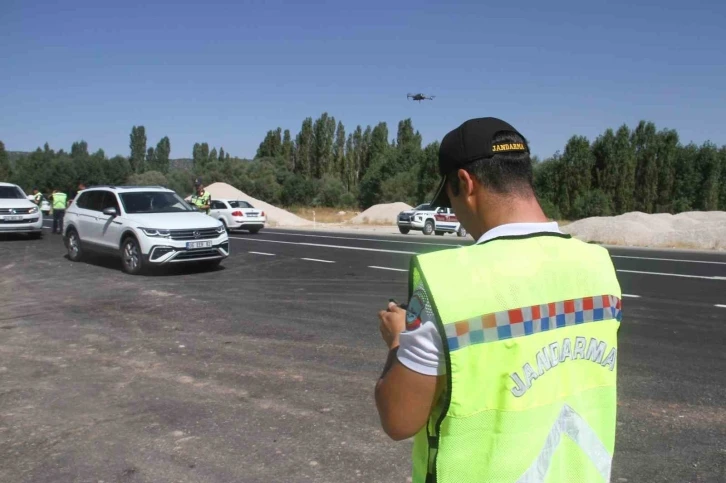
546, 184
5, 169
330, 192
163, 151
645, 144
339, 152
605, 173
709, 165
722, 183
137, 143
271, 146
406, 134
624, 154
428, 177
322, 156
304, 149
688, 179
148, 178
79, 150
150, 163
667, 158
577, 164
116, 170
592, 203
287, 149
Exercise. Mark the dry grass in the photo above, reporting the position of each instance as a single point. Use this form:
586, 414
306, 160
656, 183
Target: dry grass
323, 215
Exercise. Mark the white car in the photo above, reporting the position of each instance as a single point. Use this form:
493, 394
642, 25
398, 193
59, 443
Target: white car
44, 204
238, 215
17, 213
429, 220
146, 226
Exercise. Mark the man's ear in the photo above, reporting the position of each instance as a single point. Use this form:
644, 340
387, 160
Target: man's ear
466, 182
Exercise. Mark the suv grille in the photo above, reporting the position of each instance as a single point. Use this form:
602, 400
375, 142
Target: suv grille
194, 254
203, 234
15, 211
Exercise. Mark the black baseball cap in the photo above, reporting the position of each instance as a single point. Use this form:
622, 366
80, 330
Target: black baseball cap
471, 141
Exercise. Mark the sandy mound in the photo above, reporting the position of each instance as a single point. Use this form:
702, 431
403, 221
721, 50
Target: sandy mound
275, 216
696, 229
385, 214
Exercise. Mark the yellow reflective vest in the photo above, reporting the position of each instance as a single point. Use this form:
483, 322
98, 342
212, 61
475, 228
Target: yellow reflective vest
529, 328
202, 200
59, 201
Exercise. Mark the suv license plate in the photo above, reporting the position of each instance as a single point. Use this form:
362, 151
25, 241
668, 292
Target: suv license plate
13, 218
199, 244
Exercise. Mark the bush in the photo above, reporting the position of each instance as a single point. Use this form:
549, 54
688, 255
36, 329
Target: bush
592, 203
298, 191
330, 192
349, 200
401, 187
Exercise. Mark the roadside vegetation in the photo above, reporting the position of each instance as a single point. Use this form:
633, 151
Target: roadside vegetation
326, 168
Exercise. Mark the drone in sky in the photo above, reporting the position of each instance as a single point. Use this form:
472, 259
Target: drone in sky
419, 97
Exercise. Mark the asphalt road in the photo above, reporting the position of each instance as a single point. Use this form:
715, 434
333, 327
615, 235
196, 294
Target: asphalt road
264, 369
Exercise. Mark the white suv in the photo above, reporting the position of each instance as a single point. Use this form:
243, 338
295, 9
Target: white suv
146, 226
17, 213
429, 220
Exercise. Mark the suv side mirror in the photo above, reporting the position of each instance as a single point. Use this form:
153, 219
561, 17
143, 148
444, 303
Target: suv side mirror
110, 211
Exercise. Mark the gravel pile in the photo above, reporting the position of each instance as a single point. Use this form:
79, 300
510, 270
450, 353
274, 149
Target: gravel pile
275, 216
384, 214
705, 230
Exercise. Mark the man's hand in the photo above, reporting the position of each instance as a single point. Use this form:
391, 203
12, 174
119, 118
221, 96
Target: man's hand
393, 322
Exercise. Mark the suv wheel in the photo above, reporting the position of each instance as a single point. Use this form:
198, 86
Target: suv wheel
428, 227
404, 230
131, 258
461, 232
73, 244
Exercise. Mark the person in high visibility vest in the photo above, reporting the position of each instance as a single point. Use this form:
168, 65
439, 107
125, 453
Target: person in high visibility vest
37, 196
502, 365
59, 201
201, 199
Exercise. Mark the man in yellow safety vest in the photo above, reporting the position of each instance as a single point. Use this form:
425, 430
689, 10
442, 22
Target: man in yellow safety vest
502, 366
201, 199
59, 201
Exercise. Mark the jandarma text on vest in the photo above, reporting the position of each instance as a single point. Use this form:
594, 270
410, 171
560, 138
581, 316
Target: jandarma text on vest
552, 355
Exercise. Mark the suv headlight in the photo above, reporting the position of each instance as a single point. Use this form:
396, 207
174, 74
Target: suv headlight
220, 229
153, 232
33, 210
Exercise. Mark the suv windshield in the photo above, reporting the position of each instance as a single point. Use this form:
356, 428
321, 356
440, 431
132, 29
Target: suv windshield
153, 202
11, 193
424, 206
239, 204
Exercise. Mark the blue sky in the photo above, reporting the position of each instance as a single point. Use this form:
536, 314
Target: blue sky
225, 73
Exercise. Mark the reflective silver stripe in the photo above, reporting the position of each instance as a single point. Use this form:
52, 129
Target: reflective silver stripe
571, 424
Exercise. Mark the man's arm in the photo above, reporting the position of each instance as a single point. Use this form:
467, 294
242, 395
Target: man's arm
404, 398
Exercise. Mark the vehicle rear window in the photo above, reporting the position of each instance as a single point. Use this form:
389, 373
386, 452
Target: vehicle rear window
240, 204
11, 193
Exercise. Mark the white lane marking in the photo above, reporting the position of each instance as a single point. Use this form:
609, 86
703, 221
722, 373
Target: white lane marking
263, 253
669, 259
317, 260
362, 239
721, 306
631, 296
388, 268
324, 246
673, 275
